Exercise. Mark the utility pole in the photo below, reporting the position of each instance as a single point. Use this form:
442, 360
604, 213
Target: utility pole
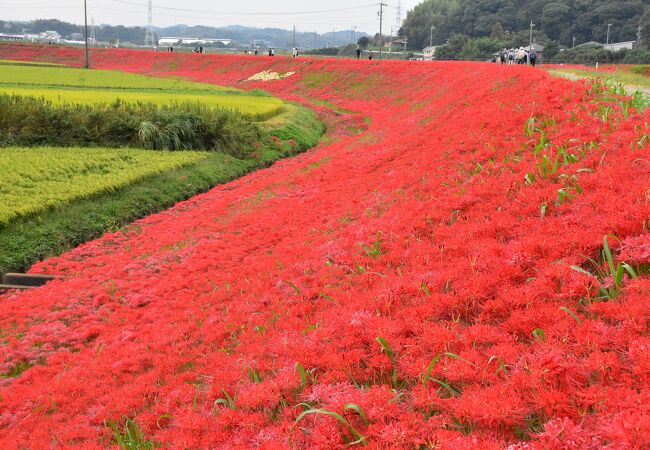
381, 22
638, 34
398, 22
294, 36
333, 38
354, 34
315, 38
609, 25
431, 35
86, 63
390, 46
574, 42
531, 35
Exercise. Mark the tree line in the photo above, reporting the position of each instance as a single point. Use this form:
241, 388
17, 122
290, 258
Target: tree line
508, 21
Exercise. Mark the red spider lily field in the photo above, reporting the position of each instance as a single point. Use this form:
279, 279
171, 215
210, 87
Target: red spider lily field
462, 262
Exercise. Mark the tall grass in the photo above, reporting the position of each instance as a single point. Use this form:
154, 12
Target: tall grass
26, 121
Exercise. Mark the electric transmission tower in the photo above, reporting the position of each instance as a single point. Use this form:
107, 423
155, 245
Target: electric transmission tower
93, 38
149, 38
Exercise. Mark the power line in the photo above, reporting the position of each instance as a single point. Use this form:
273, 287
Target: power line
134, 7
235, 13
398, 16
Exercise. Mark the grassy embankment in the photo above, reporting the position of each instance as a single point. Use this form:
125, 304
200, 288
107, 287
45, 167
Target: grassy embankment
57, 198
634, 78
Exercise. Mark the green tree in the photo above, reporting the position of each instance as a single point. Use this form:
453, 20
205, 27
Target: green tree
551, 50
497, 31
556, 16
560, 20
437, 13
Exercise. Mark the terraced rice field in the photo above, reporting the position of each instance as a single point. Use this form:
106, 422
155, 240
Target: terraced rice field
77, 86
35, 179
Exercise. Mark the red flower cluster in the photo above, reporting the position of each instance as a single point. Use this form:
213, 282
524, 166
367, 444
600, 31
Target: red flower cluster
435, 280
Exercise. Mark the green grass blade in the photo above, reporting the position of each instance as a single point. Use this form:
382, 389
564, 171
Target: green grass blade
607, 253
356, 408
303, 375
432, 364
386, 348
453, 392
539, 335
629, 270
571, 313
359, 438
581, 270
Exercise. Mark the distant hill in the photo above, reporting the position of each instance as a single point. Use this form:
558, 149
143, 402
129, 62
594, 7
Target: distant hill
556, 20
241, 35
276, 37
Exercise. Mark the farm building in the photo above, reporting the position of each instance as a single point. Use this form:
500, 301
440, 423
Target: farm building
429, 52
167, 41
11, 37
616, 46
537, 47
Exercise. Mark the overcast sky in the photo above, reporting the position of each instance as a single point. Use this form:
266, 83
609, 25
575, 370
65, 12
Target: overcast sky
307, 15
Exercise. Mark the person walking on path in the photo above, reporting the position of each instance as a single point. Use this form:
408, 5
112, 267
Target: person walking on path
532, 57
521, 55
358, 51
295, 52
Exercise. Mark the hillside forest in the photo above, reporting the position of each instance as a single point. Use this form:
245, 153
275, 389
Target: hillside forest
508, 22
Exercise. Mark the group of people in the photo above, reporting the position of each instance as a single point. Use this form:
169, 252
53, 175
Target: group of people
271, 52
359, 53
517, 56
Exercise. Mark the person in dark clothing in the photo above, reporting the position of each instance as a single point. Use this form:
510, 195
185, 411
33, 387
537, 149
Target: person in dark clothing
358, 51
533, 57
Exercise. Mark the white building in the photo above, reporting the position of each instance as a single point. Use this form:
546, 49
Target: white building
50, 37
616, 46
613, 47
11, 37
539, 48
429, 52
169, 41
191, 41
